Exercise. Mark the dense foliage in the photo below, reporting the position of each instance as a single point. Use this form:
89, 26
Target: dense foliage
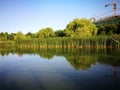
46, 32
108, 26
80, 28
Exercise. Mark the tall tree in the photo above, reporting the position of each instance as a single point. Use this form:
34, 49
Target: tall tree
46, 32
6, 36
81, 28
59, 33
28, 35
19, 36
11, 36
1, 36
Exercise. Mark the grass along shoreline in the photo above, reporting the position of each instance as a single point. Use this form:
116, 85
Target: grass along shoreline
65, 42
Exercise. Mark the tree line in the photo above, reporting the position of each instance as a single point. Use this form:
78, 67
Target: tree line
76, 28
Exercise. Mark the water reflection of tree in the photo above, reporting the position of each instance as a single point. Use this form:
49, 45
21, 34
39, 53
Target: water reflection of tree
6, 51
44, 53
49, 54
83, 62
79, 59
112, 59
74, 57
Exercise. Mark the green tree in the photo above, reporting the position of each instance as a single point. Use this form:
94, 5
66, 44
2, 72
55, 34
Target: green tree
6, 36
59, 33
109, 29
1, 36
46, 32
81, 28
11, 36
19, 36
28, 35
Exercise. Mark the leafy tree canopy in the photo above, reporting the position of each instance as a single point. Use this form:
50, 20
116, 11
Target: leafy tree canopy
59, 33
19, 36
46, 32
81, 28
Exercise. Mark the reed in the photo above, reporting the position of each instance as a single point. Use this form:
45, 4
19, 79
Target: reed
7, 44
69, 42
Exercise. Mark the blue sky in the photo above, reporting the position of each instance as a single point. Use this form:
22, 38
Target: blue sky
33, 15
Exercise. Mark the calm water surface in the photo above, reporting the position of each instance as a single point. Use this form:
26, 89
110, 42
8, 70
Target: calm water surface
59, 70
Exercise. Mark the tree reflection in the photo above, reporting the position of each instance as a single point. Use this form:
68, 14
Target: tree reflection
78, 59
82, 62
46, 53
6, 51
112, 59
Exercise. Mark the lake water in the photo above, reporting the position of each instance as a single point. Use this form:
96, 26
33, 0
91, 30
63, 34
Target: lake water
59, 69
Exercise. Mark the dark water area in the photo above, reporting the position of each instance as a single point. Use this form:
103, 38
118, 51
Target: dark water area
51, 69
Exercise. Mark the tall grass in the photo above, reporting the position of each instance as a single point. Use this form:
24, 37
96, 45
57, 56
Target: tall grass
66, 42
7, 44
69, 42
